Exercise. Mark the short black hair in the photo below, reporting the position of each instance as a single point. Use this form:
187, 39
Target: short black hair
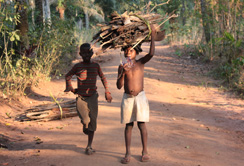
137, 48
86, 46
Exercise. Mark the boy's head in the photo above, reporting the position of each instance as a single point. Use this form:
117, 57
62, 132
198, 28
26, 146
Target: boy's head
86, 52
129, 52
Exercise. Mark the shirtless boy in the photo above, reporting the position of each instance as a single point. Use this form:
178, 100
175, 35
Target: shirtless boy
134, 106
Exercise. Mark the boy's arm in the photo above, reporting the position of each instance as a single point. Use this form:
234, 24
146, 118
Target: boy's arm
68, 77
120, 79
108, 96
147, 57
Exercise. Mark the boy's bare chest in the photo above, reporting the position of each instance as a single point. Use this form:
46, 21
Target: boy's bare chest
136, 69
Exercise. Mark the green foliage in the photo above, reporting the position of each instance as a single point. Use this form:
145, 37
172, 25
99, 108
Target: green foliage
232, 73
60, 3
108, 6
227, 52
229, 47
20, 71
75, 9
178, 52
226, 31
52, 48
56, 44
232, 61
8, 19
174, 5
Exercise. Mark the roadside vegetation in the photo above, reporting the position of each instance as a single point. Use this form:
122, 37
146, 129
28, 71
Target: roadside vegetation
37, 41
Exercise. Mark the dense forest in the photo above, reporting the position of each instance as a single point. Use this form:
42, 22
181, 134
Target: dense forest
39, 37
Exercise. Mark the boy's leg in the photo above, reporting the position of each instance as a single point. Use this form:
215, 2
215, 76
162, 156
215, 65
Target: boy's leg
128, 133
89, 149
90, 138
93, 106
143, 131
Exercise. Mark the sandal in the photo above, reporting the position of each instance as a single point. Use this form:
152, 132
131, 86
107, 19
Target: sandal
145, 157
125, 160
89, 151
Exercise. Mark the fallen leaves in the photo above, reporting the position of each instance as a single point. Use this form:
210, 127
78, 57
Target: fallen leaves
203, 126
38, 140
59, 127
8, 115
8, 124
187, 147
37, 152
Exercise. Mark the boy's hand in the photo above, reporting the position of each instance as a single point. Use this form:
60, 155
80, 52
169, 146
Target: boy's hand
71, 90
126, 67
108, 97
75, 91
121, 69
68, 90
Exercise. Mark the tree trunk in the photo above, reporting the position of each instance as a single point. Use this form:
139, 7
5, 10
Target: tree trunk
183, 9
205, 20
80, 24
87, 19
39, 13
22, 25
46, 12
234, 24
32, 5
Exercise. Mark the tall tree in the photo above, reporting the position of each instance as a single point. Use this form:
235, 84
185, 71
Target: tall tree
91, 9
205, 20
109, 6
39, 13
22, 25
183, 9
46, 12
32, 6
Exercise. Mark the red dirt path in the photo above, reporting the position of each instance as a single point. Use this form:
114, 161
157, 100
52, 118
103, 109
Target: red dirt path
192, 122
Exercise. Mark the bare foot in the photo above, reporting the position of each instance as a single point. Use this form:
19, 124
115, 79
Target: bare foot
89, 151
126, 159
145, 157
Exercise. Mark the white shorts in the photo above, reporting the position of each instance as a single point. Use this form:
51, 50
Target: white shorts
134, 108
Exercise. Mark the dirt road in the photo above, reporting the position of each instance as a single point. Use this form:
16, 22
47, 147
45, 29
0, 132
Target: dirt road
192, 122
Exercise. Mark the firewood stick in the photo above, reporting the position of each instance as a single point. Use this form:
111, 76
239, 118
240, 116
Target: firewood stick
174, 15
159, 5
115, 38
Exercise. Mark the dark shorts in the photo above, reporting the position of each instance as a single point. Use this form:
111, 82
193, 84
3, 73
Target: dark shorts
89, 104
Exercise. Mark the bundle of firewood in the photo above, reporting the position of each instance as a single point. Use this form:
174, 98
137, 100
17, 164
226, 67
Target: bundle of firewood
47, 112
129, 29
